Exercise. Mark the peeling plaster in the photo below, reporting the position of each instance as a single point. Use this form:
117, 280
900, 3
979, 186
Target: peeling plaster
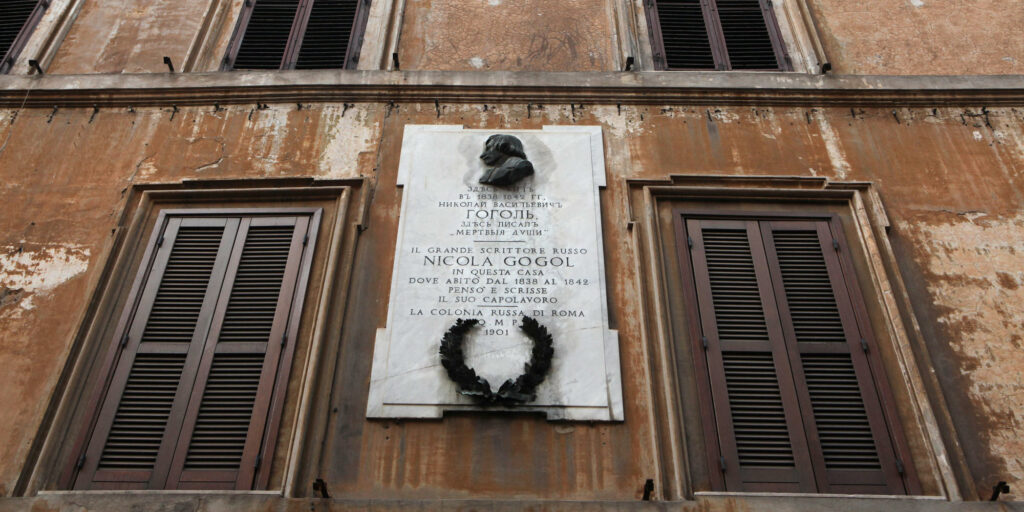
978, 285
29, 272
345, 133
832, 145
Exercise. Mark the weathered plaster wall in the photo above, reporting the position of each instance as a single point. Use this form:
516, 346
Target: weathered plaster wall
963, 270
916, 37
63, 204
509, 35
923, 37
129, 36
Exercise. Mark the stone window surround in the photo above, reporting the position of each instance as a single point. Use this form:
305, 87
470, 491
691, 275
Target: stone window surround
50, 462
943, 461
795, 18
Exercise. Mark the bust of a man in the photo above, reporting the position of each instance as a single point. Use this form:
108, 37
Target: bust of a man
506, 159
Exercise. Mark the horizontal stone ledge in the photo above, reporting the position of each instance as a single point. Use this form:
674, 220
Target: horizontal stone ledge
658, 88
217, 501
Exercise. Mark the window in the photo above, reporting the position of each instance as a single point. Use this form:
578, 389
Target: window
194, 394
715, 35
792, 395
298, 34
17, 18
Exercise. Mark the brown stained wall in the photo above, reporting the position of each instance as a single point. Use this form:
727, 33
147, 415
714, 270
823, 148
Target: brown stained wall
950, 178
507, 35
887, 37
922, 37
65, 179
129, 36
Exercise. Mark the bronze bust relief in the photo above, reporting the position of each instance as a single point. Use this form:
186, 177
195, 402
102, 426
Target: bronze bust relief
507, 161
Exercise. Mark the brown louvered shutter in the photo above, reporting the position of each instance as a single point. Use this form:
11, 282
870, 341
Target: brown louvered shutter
796, 406
846, 428
17, 18
263, 39
715, 34
206, 354
298, 34
759, 427
333, 35
219, 444
680, 35
133, 438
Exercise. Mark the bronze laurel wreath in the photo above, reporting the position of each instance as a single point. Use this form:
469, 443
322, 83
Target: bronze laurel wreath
512, 392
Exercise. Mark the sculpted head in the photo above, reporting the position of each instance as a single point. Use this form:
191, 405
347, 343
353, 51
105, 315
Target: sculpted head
507, 161
499, 148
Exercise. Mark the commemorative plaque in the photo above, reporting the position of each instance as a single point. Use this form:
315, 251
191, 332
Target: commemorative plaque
498, 298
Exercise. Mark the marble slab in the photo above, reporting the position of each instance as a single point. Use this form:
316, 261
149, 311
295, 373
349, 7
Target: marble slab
467, 250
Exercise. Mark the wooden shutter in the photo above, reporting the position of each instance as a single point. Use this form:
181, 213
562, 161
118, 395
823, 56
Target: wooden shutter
265, 34
17, 18
298, 34
747, 29
715, 34
333, 35
681, 35
796, 406
206, 356
759, 426
846, 428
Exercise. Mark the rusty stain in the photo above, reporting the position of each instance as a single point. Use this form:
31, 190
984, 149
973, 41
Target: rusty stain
936, 38
524, 35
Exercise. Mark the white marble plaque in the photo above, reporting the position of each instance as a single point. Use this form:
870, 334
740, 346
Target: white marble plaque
467, 250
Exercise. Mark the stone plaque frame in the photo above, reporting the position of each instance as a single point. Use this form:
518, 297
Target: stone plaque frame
584, 383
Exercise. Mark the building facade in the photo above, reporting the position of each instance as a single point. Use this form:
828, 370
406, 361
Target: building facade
809, 232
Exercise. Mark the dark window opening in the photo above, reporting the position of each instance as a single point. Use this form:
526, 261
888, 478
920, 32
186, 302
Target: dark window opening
17, 19
715, 35
794, 400
194, 392
298, 34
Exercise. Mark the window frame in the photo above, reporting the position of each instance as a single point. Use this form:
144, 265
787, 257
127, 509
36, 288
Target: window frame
724, 479
296, 35
8, 59
112, 362
53, 454
685, 465
716, 38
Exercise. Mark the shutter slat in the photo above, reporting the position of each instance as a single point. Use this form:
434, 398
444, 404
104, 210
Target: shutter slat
134, 439
154, 379
225, 412
839, 413
266, 34
325, 42
755, 401
841, 419
809, 293
224, 415
747, 40
849, 440
183, 287
14, 14
684, 35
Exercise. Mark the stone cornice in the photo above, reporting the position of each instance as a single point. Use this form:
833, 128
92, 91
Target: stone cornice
659, 88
